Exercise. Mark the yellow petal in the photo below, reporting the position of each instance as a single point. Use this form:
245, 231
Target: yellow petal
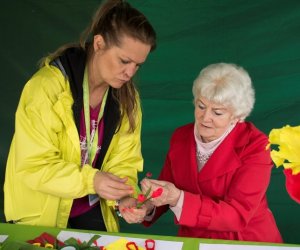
119, 244
288, 153
294, 166
276, 157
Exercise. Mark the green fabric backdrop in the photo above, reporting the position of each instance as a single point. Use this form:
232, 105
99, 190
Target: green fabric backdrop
263, 36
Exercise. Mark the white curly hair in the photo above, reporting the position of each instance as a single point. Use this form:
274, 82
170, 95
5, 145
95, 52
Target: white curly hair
226, 84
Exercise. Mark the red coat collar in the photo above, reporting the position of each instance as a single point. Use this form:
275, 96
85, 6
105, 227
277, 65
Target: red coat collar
224, 159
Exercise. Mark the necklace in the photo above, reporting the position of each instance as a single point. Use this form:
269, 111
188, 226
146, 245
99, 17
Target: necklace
203, 158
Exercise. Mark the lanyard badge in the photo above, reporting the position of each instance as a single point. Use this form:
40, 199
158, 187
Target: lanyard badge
91, 136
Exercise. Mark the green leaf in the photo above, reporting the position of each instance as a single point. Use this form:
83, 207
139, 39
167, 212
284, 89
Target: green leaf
9, 245
71, 242
137, 191
91, 241
148, 192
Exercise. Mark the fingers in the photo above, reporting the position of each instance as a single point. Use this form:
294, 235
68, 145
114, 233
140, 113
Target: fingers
133, 215
113, 194
158, 182
169, 196
116, 178
117, 185
127, 202
154, 184
145, 185
129, 212
111, 187
157, 202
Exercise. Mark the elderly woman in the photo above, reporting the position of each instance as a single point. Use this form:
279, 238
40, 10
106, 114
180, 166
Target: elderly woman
217, 169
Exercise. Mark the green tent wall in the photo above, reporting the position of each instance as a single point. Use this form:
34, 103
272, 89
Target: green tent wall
263, 36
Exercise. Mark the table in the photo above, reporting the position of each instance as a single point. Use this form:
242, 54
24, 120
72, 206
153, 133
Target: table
25, 232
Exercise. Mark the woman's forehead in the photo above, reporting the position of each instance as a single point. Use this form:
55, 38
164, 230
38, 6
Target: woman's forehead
214, 104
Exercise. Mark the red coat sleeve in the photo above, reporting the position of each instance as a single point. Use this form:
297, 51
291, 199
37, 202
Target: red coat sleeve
235, 210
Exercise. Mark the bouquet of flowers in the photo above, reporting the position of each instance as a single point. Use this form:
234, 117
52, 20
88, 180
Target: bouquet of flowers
287, 141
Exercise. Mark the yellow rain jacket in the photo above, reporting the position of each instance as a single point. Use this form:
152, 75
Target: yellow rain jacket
43, 172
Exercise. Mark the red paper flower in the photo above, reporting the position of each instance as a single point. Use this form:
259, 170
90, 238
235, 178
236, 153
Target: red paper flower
141, 198
46, 239
149, 175
157, 193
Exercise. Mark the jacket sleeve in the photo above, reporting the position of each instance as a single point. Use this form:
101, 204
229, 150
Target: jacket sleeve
124, 157
244, 193
46, 141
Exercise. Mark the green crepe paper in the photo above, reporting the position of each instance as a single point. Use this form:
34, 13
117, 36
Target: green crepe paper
83, 245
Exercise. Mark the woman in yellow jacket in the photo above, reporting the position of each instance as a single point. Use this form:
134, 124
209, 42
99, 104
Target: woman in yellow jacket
76, 147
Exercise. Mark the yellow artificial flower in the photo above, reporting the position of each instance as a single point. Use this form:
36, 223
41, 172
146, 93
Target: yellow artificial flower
288, 154
121, 244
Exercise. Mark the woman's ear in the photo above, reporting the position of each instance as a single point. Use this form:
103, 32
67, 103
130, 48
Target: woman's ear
99, 43
235, 120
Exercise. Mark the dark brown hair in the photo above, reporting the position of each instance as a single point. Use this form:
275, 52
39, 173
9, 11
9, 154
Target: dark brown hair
113, 20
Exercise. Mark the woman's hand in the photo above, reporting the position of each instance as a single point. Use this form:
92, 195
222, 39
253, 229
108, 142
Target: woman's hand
111, 187
169, 196
129, 212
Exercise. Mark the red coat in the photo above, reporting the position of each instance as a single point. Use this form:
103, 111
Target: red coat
292, 183
227, 198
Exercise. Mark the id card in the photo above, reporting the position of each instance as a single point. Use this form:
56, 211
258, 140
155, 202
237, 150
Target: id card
93, 199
